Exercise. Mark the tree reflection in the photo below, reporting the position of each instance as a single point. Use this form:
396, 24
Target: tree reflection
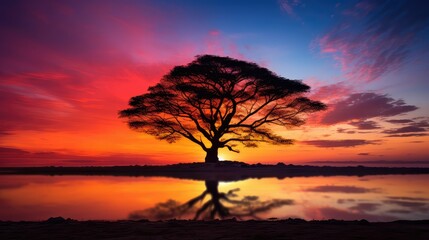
211, 204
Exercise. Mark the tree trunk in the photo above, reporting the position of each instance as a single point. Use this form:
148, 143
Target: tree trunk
211, 156
211, 187
218, 207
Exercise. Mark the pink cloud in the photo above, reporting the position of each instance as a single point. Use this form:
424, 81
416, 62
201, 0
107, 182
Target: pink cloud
412, 129
328, 94
407, 129
360, 106
331, 93
360, 59
365, 125
409, 135
364, 154
374, 39
343, 130
14, 157
339, 143
55, 101
216, 43
214, 32
399, 121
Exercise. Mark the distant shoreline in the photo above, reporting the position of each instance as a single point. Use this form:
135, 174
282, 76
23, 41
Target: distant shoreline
59, 228
222, 171
383, 163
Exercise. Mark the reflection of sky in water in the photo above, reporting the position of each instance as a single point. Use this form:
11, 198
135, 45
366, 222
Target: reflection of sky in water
376, 198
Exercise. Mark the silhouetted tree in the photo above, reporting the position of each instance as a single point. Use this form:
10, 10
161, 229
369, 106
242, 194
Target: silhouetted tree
217, 102
213, 204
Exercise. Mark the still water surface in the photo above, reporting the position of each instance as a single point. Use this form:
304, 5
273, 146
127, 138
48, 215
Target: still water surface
375, 198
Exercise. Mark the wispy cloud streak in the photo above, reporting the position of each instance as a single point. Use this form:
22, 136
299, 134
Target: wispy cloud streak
339, 143
375, 37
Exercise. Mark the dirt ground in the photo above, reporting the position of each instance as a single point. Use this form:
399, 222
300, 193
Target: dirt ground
58, 228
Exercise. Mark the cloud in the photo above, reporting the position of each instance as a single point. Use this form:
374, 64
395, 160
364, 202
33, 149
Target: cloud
400, 211
375, 37
4, 133
400, 121
339, 143
365, 207
408, 135
413, 129
328, 94
342, 200
53, 101
414, 205
288, 6
364, 154
368, 154
423, 124
365, 125
409, 198
344, 130
407, 129
13, 157
331, 93
341, 189
361, 106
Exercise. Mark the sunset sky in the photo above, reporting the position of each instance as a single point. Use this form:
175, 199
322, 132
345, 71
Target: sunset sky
68, 67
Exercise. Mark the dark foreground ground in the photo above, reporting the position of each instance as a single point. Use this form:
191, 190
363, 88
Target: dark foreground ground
59, 228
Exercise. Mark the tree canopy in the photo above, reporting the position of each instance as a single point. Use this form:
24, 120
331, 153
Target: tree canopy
219, 102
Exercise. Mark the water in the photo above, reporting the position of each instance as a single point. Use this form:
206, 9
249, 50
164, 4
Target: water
375, 198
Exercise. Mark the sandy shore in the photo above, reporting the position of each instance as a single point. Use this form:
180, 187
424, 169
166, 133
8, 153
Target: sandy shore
59, 228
